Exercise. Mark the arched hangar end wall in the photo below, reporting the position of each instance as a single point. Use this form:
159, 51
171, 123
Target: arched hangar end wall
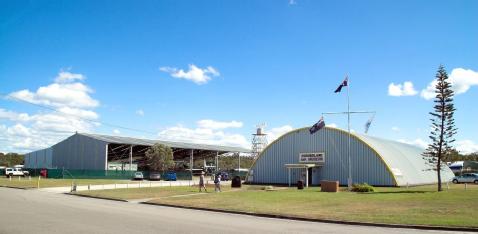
367, 164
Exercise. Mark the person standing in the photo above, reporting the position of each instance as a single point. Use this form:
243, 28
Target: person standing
201, 183
217, 183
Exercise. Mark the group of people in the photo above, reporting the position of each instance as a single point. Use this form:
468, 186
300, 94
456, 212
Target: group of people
217, 183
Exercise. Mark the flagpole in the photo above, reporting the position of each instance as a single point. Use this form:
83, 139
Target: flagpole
349, 182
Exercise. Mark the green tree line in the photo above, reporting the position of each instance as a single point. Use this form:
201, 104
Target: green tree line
11, 159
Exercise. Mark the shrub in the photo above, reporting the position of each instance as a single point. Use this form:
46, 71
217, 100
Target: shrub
363, 188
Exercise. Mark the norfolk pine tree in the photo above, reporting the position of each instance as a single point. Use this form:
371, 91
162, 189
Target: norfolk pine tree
443, 125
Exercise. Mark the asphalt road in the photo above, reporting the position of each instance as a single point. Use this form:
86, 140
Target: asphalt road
33, 211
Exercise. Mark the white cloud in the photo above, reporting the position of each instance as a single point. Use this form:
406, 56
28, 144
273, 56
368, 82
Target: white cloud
395, 129
58, 95
194, 74
212, 124
24, 138
292, 2
13, 116
66, 77
73, 103
209, 132
86, 114
463, 146
332, 125
116, 131
466, 146
429, 92
405, 89
417, 142
140, 112
460, 79
203, 136
18, 130
275, 133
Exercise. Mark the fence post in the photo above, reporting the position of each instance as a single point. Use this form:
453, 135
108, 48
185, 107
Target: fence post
89, 187
466, 185
29, 177
38, 182
19, 178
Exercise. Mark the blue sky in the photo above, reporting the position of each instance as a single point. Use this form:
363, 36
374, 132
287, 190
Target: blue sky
129, 64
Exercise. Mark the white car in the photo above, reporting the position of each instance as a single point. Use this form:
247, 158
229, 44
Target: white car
15, 172
466, 178
138, 176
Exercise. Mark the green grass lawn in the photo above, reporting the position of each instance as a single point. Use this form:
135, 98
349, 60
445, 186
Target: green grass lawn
24, 182
417, 205
142, 193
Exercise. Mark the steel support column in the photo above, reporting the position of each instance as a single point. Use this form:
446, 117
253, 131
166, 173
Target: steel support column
289, 175
239, 165
131, 158
306, 177
191, 158
106, 157
217, 161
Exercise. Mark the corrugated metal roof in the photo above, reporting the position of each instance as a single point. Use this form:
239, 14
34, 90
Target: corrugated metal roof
405, 161
172, 144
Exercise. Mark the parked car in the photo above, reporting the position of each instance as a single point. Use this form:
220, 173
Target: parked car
138, 176
16, 172
466, 178
171, 176
154, 176
224, 175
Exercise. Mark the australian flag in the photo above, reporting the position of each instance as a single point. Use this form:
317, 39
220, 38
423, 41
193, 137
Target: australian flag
317, 126
344, 83
368, 123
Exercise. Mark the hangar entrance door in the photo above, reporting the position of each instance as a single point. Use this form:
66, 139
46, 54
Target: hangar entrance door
307, 169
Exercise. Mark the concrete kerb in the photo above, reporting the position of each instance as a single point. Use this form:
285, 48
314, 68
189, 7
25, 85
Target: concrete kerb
103, 198
421, 227
144, 184
6, 186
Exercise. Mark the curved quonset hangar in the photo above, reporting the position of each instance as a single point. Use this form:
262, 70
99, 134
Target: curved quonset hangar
323, 156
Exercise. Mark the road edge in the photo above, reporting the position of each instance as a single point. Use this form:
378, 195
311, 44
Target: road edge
12, 187
90, 196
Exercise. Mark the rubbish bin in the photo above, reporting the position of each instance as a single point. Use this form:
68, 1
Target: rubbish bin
236, 182
300, 184
43, 173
